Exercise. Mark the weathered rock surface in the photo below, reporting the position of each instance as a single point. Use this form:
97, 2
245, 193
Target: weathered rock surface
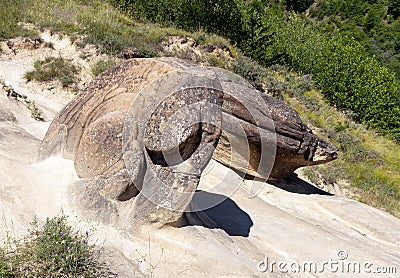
148, 128
296, 145
6, 115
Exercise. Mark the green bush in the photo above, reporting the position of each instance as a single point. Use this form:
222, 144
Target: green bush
217, 16
250, 70
101, 66
374, 24
54, 249
394, 8
352, 80
11, 12
53, 68
57, 246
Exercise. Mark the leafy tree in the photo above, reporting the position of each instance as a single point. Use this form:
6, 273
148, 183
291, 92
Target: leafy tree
373, 23
339, 65
219, 16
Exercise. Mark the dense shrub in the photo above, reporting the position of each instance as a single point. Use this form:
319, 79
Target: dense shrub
52, 68
54, 249
394, 8
250, 70
354, 81
340, 66
101, 66
218, 16
374, 24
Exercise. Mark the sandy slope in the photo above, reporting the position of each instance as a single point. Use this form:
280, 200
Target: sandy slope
289, 225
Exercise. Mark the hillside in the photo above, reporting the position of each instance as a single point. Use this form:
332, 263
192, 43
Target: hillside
39, 38
375, 24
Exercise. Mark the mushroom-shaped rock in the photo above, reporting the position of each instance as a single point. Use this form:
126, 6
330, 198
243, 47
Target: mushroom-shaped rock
142, 133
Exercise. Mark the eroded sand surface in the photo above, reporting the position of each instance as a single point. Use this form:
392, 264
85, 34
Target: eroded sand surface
282, 225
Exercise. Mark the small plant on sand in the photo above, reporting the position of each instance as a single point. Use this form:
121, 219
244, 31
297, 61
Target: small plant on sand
50, 250
148, 259
53, 68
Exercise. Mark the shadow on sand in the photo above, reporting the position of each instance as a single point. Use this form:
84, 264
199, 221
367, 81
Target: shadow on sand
228, 216
296, 185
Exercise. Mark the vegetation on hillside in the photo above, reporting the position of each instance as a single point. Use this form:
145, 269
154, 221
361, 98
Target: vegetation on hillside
218, 16
375, 24
53, 68
102, 66
90, 21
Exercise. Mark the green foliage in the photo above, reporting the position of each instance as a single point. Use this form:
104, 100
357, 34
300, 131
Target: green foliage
101, 66
374, 24
218, 16
58, 247
360, 83
51, 250
250, 70
340, 66
394, 8
5, 268
108, 36
11, 13
89, 21
274, 80
52, 68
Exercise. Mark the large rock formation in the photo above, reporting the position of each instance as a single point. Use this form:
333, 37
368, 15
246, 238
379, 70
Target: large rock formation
144, 131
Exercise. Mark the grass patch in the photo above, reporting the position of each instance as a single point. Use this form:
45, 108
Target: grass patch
53, 68
11, 13
101, 66
51, 250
